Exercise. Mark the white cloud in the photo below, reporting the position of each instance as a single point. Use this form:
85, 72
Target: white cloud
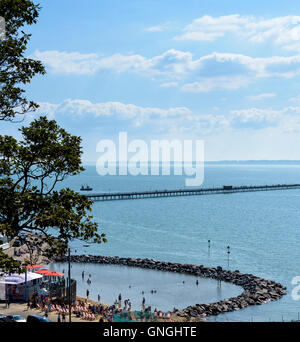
154, 29
200, 36
118, 110
212, 27
287, 118
177, 119
295, 99
209, 84
283, 31
261, 96
214, 71
169, 84
68, 62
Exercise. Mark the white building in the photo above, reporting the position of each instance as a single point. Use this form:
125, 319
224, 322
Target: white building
13, 286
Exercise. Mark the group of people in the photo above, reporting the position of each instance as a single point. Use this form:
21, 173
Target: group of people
105, 312
127, 303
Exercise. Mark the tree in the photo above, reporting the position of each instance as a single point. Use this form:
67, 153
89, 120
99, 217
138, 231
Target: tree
15, 69
31, 169
29, 173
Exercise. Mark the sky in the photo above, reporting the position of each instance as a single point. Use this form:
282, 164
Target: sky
225, 72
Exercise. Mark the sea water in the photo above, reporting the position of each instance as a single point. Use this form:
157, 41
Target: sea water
261, 228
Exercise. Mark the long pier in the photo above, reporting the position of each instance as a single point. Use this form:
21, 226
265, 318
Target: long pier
226, 189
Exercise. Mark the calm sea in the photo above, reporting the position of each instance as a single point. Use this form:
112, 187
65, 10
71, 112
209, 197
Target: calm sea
261, 228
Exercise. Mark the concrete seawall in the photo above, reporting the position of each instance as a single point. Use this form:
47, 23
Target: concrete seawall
256, 290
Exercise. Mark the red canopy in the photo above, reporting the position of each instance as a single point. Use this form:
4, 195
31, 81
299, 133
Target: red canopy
44, 271
33, 266
55, 274
49, 273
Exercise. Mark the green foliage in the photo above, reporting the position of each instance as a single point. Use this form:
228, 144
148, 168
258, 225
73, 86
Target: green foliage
31, 168
15, 68
29, 172
8, 264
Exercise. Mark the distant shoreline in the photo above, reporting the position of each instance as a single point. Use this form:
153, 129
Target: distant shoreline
229, 162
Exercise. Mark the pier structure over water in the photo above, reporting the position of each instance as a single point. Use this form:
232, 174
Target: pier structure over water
226, 189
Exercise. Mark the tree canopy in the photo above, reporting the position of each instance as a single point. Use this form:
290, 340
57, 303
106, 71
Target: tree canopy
30, 170
32, 167
15, 69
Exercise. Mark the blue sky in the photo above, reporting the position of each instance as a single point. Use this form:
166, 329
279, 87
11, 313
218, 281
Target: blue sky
223, 72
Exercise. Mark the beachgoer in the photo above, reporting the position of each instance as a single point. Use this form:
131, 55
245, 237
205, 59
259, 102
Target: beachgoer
98, 298
87, 293
197, 282
82, 274
58, 317
63, 317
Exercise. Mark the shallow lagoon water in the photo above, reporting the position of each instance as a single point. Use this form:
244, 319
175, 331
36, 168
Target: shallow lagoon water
110, 280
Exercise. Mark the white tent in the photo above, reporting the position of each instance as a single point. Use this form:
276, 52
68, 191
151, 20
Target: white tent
16, 278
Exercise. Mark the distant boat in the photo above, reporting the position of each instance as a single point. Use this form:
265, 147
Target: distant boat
86, 188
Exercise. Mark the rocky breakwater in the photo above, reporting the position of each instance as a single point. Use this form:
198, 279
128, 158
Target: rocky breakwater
256, 290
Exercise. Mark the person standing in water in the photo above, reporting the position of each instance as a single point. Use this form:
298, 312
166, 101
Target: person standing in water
143, 303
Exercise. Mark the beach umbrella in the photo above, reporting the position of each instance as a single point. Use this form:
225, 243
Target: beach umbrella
43, 271
42, 292
33, 267
55, 274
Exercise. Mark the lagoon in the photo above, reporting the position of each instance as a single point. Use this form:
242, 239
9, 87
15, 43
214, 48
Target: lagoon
172, 289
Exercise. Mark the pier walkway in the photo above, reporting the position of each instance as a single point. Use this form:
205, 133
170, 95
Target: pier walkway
226, 189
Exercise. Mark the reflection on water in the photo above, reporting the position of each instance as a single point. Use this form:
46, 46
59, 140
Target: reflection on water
172, 289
